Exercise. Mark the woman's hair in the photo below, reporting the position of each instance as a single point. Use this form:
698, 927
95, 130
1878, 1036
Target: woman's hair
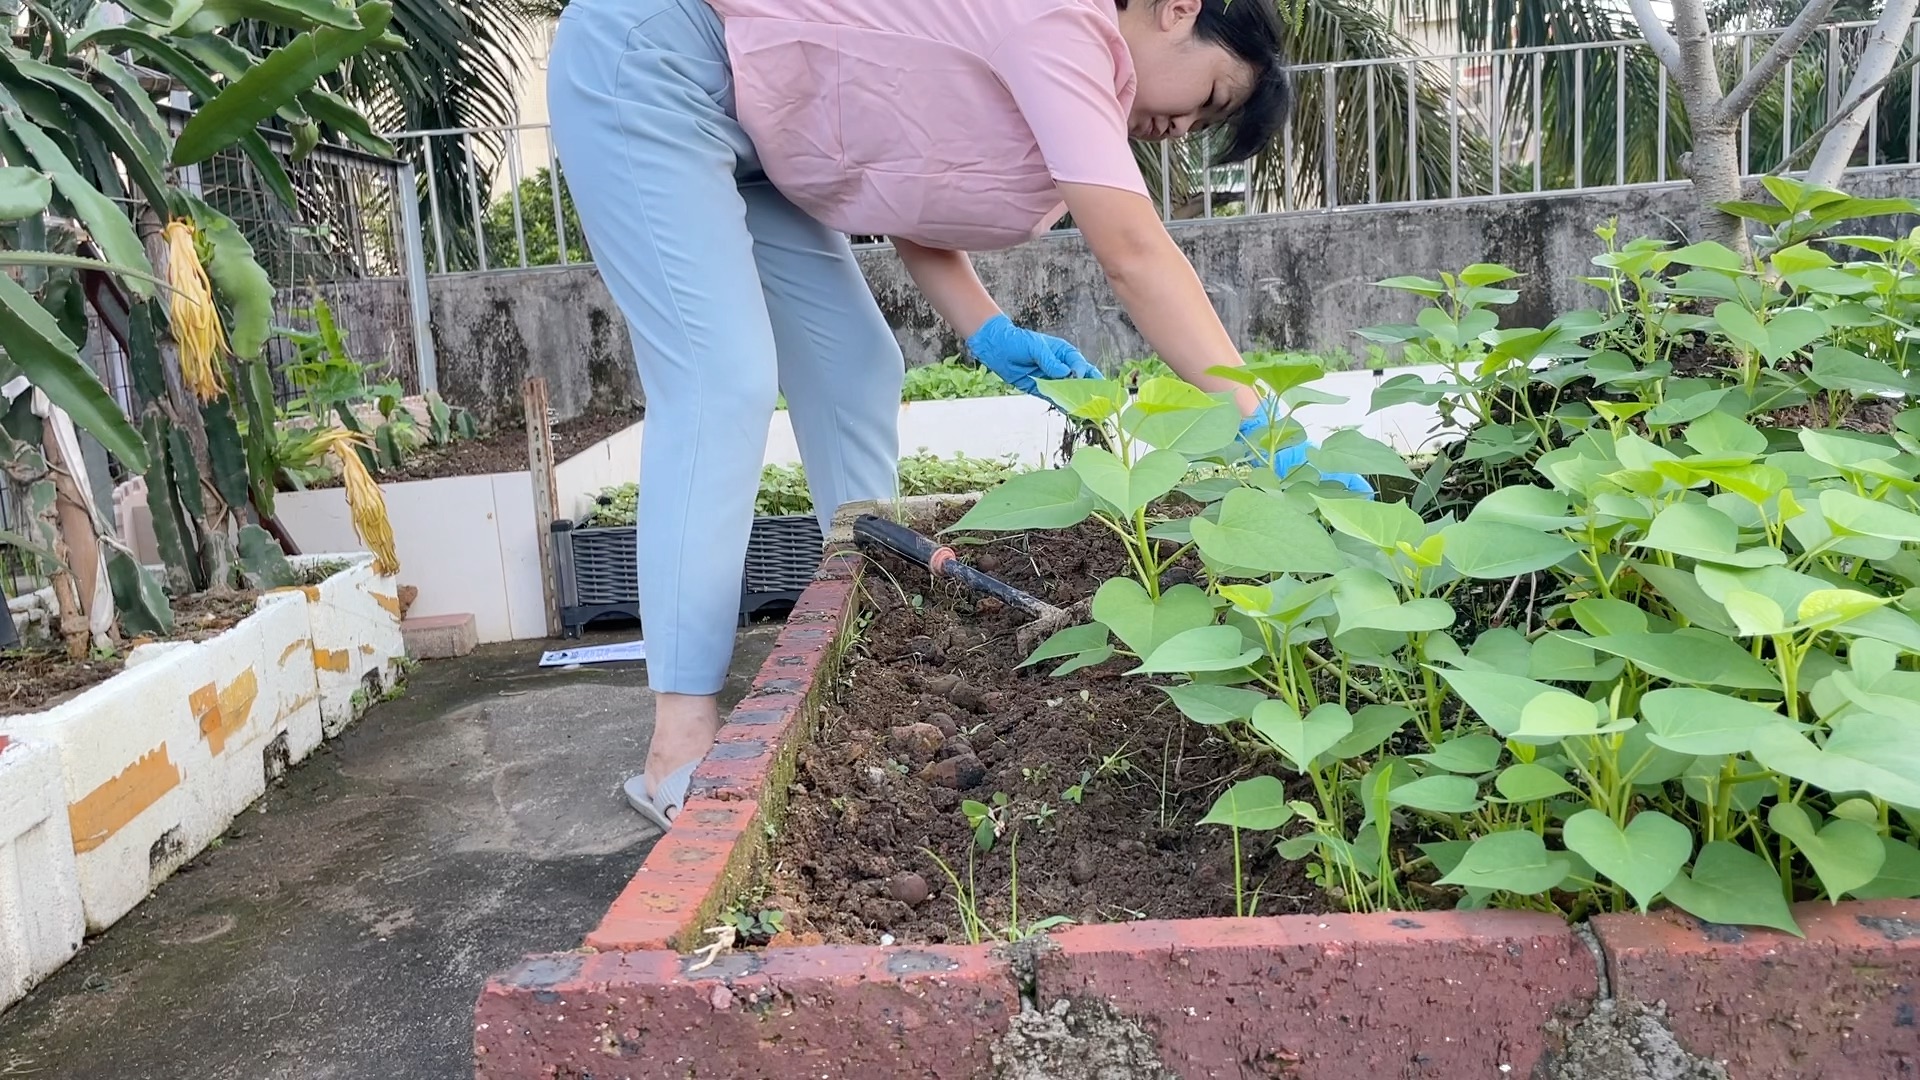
1252, 31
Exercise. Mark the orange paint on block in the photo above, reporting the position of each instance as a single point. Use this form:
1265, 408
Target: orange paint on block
331, 659
108, 808
391, 603
288, 653
221, 715
366, 649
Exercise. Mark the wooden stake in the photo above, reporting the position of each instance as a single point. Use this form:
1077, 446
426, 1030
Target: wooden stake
539, 421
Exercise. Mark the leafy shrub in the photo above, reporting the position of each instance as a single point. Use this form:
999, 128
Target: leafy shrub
1668, 653
783, 488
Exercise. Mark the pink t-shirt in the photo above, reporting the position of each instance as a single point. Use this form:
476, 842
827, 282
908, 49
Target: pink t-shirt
945, 122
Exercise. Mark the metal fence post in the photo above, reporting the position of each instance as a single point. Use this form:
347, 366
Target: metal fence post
415, 268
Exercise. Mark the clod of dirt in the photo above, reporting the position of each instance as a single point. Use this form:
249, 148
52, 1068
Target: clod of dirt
876, 779
967, 696
1625, 1040
926, 649
909, 888
987, 563
944, 723
920, 741
942, 685
958, 746
1083, 868
958, 773
1081, 1040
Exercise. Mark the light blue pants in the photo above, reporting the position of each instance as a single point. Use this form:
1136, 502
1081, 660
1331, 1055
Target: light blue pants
733, 296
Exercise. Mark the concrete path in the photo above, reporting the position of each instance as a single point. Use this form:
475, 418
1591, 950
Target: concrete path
343, 927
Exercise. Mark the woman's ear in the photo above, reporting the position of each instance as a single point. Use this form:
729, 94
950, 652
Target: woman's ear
1174, 15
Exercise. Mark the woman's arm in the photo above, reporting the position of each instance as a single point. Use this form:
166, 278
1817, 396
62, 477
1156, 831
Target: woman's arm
1157, 286
947, 280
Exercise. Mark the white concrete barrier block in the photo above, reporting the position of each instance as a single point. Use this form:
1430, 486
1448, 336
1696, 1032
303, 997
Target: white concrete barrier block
258, 698
354, 617
41, 922
135, 768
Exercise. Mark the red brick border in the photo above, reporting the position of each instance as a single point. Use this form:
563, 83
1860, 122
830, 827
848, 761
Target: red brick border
815, 1012
1843, 1002
689, 875
1336, 997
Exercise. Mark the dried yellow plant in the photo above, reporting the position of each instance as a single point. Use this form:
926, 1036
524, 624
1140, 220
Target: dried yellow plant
365, 503
202, 341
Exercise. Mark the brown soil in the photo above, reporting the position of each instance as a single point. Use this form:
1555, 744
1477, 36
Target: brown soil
849, 863
503, 449
35, 679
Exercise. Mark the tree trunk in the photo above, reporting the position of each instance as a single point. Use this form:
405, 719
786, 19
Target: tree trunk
1889, 35
1715, 170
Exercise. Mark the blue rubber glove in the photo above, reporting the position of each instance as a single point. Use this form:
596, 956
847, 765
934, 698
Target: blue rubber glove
1288, 458
1021, 356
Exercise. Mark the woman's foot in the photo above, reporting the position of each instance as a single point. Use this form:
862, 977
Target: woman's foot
684, 729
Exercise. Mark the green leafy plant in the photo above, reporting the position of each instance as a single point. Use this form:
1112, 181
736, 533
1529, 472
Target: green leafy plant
1669, 653
783, 488
89, 189
990, 822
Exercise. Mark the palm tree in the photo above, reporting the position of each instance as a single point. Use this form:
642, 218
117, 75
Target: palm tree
460, 71
1567, 117
1294, 171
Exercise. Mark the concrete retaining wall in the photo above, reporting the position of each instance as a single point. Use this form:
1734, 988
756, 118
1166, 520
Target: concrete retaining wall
1287, 281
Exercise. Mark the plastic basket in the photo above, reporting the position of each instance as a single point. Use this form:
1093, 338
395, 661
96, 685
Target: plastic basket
596, 574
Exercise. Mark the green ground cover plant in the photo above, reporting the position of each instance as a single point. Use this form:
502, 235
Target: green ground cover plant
1644, 633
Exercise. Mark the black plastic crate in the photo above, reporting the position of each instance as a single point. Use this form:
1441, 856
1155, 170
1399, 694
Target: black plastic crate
596, 576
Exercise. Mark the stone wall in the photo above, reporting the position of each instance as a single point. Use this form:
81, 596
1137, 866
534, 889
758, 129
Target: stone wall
1284, 281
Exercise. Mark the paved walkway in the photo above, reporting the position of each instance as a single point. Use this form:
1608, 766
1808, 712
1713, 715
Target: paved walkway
343, 927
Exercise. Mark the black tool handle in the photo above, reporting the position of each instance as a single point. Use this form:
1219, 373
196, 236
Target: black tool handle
941, 560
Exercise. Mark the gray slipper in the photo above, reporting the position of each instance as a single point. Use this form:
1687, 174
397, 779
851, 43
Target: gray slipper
661, 806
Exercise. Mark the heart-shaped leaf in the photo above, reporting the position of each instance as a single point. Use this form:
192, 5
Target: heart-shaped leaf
1049, 499
1440, 794
1493, 550
1643, 859
1204, 703
1257, 804
1072, 641
1348, 451
1301, 739
1846, 855
1899, 873
1144, 624
1528, 782
1689, 720
1690, 655
1207, 648
1128, 488
1258, 531
1734, 887
1467, 754
1878, 755
1515, 861
1372, 726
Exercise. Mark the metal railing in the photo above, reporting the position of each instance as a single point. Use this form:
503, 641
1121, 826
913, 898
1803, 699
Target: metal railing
1368, 132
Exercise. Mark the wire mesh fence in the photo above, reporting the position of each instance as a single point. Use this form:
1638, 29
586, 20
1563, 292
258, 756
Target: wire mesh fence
349, 230
1366, 132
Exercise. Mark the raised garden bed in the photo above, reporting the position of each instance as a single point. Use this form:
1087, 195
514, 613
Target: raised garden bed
1600, 722
152, 762
1417, 994
1093, 779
